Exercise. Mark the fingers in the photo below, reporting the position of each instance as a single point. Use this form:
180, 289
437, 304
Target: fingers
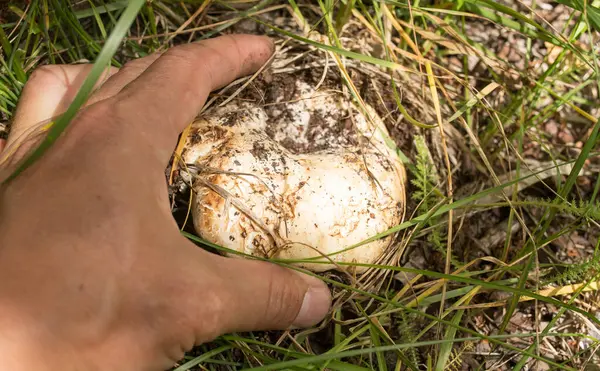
218, 295
131, 71
48, 93
51, 89
173, 89
264, 296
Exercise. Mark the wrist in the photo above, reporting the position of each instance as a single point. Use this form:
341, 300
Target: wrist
17, 350
25, 346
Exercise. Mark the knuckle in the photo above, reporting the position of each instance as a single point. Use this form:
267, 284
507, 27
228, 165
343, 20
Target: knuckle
51, 77
186, 58
284, 297
135, 66
210, 317
212, 327
184, 53
43, 73
96, 120
99, 115
202, 57
236, 46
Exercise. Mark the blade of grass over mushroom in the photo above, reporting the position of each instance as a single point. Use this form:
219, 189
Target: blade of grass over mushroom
101, 63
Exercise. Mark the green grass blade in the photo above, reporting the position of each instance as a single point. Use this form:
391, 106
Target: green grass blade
592, 12
497, 286
325, 357
446, 348
205, 356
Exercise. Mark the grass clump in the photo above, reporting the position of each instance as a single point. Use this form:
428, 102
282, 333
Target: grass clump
492, 105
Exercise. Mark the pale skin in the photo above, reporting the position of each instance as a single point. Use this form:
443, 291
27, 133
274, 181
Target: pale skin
94, 274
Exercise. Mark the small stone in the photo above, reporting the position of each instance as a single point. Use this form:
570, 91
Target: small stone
584, 182
551, 128
540, 366
416, 261
566, 137
483, 347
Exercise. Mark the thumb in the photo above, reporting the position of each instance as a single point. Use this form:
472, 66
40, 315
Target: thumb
265, 296
48, 93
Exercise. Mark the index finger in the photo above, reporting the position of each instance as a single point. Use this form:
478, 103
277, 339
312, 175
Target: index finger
167, 96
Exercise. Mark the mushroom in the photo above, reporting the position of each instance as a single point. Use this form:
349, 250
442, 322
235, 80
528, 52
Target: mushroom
254, 196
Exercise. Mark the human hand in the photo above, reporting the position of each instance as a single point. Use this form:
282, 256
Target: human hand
94, 274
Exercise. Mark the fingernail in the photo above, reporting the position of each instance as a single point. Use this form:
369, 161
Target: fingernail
315, 305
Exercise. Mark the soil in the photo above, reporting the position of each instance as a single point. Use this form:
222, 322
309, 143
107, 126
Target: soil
325, 129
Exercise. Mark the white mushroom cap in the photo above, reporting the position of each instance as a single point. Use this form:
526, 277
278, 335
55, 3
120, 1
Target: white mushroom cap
256, 197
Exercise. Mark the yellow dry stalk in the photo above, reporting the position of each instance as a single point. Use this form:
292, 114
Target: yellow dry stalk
455, 361
179, 151
395, 49
382, 330
208, 26
401, 31
427, 293
198, 11
438, 113
480, 96
409, 285
565, 290
547, 292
